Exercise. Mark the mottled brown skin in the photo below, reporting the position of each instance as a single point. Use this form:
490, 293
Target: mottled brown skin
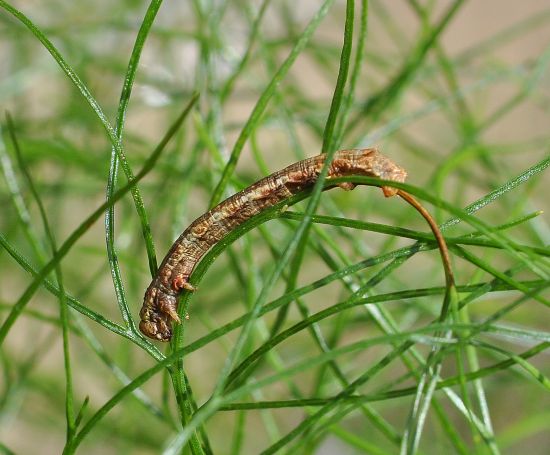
160, 302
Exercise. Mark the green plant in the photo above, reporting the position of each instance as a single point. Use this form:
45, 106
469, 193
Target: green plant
332, 336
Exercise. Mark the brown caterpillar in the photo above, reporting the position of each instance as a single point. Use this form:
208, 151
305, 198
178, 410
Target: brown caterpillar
159, 308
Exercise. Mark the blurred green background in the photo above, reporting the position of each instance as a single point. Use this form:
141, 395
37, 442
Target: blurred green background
458, 93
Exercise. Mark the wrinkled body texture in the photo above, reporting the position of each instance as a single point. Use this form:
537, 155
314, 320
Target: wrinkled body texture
160, 302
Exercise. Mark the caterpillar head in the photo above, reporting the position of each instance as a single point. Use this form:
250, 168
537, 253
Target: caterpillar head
157, 314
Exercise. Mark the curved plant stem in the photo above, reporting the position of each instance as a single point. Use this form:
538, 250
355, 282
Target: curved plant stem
443, 249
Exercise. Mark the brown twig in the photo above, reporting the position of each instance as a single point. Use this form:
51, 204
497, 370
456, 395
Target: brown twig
443, 250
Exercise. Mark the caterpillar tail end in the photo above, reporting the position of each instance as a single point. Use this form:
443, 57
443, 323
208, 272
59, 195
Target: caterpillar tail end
389, 191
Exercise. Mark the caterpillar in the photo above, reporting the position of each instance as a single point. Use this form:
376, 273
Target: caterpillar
159, 308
